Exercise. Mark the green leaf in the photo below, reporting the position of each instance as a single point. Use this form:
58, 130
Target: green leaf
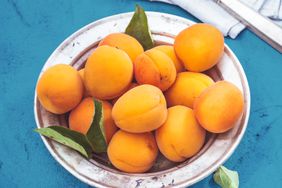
96, 133
226, 178
93, 141
139, 29
70, 138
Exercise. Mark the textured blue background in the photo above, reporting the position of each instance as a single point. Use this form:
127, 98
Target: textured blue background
31, 30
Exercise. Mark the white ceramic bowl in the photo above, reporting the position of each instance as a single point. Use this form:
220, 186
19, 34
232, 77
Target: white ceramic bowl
97, 172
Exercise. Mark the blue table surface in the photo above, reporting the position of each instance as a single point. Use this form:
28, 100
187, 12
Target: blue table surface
31, 30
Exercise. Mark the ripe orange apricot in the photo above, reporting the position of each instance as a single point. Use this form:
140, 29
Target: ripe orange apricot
132, 85
169, 51
156, 68
187, 87
81, 117
199, 47
108, 72
133, 153
141, 109
124, 42
181, 136
85, 92
59, 88
109, 124
219, 107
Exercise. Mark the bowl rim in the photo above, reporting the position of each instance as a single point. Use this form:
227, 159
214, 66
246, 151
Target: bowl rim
247, 97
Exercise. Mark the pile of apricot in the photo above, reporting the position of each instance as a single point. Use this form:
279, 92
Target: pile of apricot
154, 100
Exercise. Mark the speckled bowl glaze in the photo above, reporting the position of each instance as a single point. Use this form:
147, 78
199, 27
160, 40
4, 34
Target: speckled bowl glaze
97, 171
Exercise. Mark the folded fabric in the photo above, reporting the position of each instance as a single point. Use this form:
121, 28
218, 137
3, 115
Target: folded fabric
210, 12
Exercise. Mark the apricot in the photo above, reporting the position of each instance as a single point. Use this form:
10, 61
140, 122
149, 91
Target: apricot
131, 152
85, 92
81, 117
187, 87
169, 51
110, 127
124, 42
140, 109
199, 47
156, 68
60, 88
108, 72
180, 137
132, 85
219, 107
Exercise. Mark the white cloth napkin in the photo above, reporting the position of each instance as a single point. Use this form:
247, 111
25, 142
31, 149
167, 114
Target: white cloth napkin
210, 12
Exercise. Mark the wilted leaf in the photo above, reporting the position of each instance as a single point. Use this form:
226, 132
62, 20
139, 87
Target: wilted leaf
139, 29
226, 178
70, 138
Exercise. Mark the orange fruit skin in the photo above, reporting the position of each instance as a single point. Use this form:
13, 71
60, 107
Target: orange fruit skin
219, 107
132, 85
81, 118
108, 72
60, 89
109, 124
124, 42
169, 51
199, 47
131, 152
141, 109
85, 92
181, 136
154, 67
187, 87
